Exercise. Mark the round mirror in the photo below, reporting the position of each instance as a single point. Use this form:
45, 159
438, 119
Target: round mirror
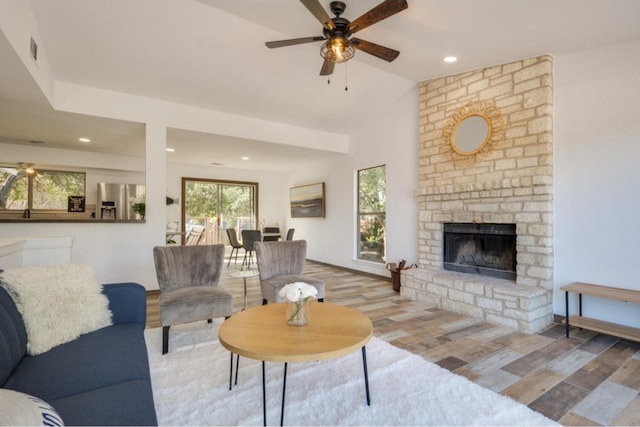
470, 134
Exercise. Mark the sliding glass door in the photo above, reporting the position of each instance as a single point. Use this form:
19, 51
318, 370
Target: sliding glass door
213, 206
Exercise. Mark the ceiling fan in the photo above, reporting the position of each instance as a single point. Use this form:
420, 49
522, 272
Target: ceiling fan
339, 46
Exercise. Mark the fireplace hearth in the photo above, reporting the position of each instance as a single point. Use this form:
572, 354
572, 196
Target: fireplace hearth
482, 249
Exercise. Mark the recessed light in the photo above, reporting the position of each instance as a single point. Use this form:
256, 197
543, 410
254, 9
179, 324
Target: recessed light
245, 158
171, 150
450, 59
84, 140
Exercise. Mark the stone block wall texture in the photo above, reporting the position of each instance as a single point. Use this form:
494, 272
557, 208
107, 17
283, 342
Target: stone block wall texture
511, 182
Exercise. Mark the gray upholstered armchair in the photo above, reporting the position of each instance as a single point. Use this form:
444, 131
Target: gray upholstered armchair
188, 277
281, 263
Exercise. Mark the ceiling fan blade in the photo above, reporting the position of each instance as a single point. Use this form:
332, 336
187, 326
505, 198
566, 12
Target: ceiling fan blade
327, 68
378, 13
381, 52
318, 11
291, 42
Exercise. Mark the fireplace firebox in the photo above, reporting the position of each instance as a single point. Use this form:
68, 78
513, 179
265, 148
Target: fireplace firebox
483, 249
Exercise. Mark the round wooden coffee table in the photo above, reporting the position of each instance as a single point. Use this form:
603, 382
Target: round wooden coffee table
262, 333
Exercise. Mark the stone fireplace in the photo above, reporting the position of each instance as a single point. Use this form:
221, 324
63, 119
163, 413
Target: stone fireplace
511, 182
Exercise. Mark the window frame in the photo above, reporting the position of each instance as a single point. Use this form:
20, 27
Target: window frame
381, 258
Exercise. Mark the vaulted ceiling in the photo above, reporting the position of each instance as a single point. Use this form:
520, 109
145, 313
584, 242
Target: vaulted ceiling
211, 54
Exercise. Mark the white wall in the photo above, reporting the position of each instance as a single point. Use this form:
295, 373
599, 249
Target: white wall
597, 173
390, 139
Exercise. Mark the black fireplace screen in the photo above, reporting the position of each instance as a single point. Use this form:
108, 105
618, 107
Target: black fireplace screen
484, 249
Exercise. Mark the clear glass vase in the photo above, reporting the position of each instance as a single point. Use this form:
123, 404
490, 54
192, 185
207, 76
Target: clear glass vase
298, 313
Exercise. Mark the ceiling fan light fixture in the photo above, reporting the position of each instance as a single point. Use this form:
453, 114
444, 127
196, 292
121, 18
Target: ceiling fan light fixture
337, 49
27, 167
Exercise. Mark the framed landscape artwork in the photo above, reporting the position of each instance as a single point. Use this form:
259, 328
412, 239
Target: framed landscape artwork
307, 201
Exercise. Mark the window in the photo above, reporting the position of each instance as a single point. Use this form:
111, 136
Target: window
40, 190
218, 205
372, 195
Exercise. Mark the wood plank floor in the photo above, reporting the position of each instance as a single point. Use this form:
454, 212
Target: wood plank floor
588, 379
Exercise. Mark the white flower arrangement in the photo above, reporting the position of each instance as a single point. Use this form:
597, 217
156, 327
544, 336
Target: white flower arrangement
298, 292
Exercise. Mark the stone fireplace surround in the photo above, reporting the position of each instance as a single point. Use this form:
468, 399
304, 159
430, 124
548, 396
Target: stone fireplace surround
511, 183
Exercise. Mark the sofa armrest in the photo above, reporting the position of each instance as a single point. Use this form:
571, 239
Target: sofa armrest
127, 302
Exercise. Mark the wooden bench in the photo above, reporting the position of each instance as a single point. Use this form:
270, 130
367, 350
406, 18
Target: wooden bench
626, 295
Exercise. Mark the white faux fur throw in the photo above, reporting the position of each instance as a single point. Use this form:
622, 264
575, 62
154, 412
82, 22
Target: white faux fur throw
58, 303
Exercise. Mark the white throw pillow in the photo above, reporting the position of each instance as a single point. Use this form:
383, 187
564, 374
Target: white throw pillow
58, 303
20, 409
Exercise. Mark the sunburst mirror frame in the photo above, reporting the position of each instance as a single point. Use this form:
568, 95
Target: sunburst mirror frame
495, 129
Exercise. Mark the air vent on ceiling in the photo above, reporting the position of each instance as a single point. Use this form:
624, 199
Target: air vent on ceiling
216, 164
33, 49
36, 141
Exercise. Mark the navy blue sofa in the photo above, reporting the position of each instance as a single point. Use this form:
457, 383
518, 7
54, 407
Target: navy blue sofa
101, 378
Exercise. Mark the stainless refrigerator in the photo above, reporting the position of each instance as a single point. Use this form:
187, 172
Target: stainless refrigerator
114, 201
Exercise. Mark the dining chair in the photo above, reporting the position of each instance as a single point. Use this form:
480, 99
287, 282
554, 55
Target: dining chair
235, 244
249, 238
290, 234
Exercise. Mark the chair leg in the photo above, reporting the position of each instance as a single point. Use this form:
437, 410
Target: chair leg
165, 339
209, 320
264, 301
231, 255
320, 299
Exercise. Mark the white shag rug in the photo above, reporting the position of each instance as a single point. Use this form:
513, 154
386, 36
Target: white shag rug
191, 387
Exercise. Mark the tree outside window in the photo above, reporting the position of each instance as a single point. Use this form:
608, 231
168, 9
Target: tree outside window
372, 194
42, 190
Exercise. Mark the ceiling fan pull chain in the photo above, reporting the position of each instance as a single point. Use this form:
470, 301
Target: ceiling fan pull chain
346, 77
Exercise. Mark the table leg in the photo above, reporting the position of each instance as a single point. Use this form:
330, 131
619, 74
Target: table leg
366, 374
231, 372
566, 312
284, 388
245, 294
580, 304
264, 396
237, 367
